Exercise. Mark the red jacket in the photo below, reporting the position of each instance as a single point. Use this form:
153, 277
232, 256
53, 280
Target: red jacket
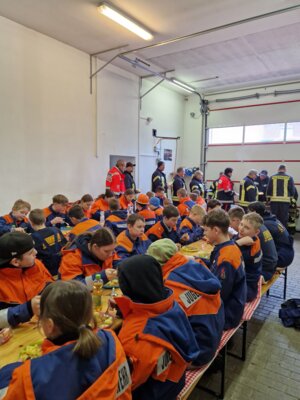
115, 181
21, 284
60, 374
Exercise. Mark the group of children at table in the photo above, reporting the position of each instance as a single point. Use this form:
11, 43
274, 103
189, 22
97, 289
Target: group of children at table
174, 307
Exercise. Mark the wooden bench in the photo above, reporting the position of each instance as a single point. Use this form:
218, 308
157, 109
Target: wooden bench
281, 272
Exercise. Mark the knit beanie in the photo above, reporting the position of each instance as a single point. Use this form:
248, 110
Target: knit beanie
162, 250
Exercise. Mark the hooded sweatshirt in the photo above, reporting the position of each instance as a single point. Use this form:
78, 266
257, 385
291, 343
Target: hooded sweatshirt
79, 263
156, 334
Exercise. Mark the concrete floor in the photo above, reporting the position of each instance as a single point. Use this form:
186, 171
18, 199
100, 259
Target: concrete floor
272, 368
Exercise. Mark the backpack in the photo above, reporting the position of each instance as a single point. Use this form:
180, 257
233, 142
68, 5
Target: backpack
290, 313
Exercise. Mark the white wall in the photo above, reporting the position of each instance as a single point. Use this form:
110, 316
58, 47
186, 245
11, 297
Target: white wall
47, 130
166, 109
55, 137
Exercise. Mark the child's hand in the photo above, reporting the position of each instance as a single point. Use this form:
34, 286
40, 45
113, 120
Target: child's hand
35, 305
57, 220
185, 237
245, 241
111, 274
19, 230
5, 335
178, 246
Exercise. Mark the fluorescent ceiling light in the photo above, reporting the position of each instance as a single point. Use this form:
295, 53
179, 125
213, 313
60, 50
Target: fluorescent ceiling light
112, 13
182, 85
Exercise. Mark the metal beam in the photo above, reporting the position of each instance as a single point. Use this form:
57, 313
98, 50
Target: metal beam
153, 87
108, 50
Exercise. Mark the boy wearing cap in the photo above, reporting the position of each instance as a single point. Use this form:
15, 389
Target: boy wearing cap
16, 220
197, 291
133, 240
155, 206
167, 227
142, 208
128, 177
22, 277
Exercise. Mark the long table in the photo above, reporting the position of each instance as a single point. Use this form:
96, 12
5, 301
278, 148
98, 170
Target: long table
200, 248
28, 333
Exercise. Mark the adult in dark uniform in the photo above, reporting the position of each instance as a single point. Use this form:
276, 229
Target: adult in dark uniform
178, 183
129, 179
197, 183
280, 191
225, 193
262, 181
159, 178
248, 190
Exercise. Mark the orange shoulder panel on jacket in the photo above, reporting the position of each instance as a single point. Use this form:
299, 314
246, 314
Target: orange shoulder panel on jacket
83, 227
255, 248
47, 212
156, 230
231, 254
124, 241
187, 223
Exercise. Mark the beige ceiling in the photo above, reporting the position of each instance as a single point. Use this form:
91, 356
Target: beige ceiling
263, 51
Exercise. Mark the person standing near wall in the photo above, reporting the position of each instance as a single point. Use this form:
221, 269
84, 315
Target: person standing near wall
225, 193
280, 191
248, 190
159, 178
115, 178
128, 177
178, 183
262, 181
197, 183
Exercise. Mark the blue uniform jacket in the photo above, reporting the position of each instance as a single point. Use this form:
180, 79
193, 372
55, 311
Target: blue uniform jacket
8, 221
15, 315
252, 256
226, 262
48, 243
61, 374
194, 231
198, 292
196, 184
281, 188
126, 247
283, 240
178, 183
117, 221
53, 214
153, 325
270, 257
159, 179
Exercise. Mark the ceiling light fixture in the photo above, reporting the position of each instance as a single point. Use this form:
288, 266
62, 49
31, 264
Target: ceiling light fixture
128, 23
182, 85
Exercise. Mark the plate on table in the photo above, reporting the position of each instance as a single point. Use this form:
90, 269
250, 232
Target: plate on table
112, 284
30, 351
190, 249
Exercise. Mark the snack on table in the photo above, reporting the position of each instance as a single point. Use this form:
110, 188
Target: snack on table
31, 351
111, 284
104, 320
190, 249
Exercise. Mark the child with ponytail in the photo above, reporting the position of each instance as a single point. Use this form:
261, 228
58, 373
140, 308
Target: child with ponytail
78, 362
